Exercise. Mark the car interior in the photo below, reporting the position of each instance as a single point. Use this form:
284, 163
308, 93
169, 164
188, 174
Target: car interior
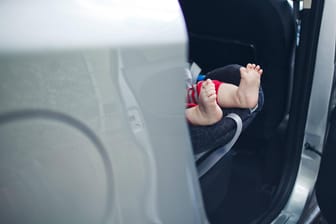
263, 32
251, 183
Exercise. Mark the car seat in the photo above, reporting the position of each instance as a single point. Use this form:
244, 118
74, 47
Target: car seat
223, 32
242, 31
214, 156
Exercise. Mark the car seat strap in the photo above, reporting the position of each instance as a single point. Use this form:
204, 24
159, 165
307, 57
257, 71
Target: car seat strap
217, 154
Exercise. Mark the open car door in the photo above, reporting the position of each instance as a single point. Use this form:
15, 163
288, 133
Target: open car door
315, 65
326, 185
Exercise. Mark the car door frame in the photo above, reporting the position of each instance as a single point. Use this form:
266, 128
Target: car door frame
316, 122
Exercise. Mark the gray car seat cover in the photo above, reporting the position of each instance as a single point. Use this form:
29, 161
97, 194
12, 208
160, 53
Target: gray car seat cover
216, 155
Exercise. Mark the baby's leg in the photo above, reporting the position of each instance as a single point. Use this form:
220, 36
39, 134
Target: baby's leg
248, 88
207, 112
246, 94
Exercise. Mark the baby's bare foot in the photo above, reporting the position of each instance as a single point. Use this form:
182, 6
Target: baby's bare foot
248, 90
208, 102
207, 112
255, 68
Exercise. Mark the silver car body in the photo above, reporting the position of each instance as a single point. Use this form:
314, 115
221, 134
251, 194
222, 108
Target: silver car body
92, 123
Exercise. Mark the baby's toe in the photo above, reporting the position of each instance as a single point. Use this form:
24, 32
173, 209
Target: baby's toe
260, 71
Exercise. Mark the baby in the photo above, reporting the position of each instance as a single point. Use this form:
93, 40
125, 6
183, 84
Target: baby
206, 98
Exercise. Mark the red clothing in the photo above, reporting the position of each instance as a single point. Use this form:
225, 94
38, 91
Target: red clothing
194, 91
